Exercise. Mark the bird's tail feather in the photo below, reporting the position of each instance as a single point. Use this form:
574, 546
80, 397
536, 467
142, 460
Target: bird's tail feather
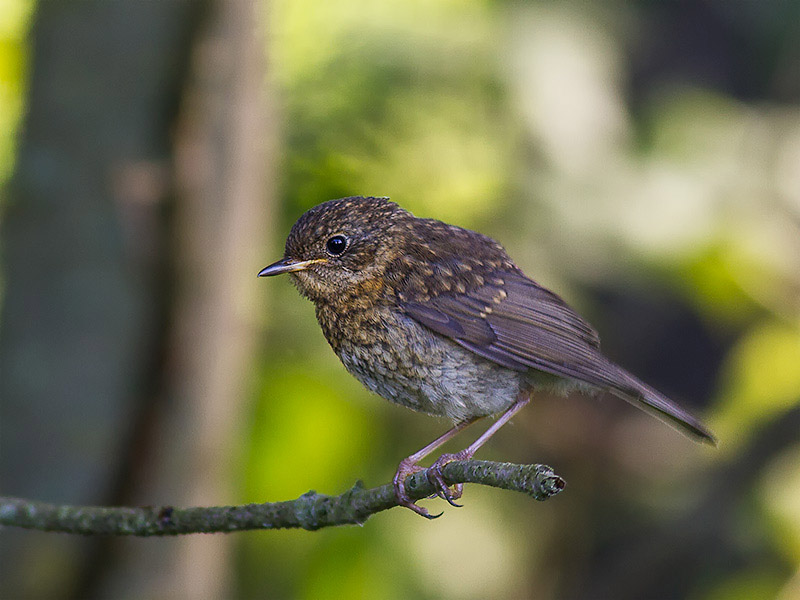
641, 395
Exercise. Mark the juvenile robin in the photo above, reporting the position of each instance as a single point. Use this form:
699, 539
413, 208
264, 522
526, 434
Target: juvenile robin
439, 319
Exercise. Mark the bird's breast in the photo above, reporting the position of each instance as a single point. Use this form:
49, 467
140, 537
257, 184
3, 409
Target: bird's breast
406, 363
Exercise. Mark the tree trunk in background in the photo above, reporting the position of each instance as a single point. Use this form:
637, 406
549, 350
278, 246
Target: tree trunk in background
225, 185
126, 327
82, 239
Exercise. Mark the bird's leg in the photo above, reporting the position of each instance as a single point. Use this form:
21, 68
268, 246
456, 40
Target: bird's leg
435, 471
410, 465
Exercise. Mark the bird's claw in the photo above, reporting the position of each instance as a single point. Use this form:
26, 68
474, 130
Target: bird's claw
404, 469
436, 478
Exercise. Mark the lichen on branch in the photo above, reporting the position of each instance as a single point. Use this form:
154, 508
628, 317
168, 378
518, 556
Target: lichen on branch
310, 511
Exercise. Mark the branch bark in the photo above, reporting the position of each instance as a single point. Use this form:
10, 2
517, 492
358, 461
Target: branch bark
310, 511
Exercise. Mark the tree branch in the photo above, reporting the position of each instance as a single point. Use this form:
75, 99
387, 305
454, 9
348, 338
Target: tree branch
310, 511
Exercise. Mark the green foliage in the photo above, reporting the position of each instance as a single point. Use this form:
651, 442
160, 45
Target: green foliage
780, 497
14, 22
377, 105
760, 381
513, 120
519, 120
304, 430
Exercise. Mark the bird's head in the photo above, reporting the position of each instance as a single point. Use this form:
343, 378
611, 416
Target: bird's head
341, 247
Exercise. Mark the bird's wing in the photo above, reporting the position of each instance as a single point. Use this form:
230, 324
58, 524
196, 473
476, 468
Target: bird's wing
516, 323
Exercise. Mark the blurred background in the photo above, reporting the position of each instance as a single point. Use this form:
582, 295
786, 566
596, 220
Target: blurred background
641, 158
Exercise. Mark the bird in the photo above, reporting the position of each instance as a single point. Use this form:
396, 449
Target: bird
439, 319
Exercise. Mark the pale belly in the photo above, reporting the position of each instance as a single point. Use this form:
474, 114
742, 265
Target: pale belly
431, 374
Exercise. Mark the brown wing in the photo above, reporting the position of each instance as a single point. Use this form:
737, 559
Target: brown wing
517, 323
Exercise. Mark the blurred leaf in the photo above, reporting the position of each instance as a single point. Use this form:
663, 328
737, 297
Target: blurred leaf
305, 433
780, 494
761, 380
713, 278
15, 18
346, 566
746, 585
395, 99
697, 127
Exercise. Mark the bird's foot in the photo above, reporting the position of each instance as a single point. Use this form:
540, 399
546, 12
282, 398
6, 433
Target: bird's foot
437, 479
404, 469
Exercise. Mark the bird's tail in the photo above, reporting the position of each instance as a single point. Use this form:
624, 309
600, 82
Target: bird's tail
641, 395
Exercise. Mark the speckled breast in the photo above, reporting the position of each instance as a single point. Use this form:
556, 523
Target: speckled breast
410, 365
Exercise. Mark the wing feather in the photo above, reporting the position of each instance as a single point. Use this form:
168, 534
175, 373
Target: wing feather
519, 324
516, 323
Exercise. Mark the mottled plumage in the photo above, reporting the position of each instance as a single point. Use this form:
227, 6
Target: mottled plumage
440, 319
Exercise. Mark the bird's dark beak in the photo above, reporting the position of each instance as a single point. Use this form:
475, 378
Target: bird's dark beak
287, 265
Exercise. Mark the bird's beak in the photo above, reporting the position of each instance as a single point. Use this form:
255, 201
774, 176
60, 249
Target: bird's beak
287, 265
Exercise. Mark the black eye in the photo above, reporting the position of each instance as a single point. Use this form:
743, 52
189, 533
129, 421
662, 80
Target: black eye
336, 245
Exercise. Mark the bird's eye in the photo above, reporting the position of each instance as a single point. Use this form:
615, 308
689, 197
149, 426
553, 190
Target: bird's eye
336, 245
